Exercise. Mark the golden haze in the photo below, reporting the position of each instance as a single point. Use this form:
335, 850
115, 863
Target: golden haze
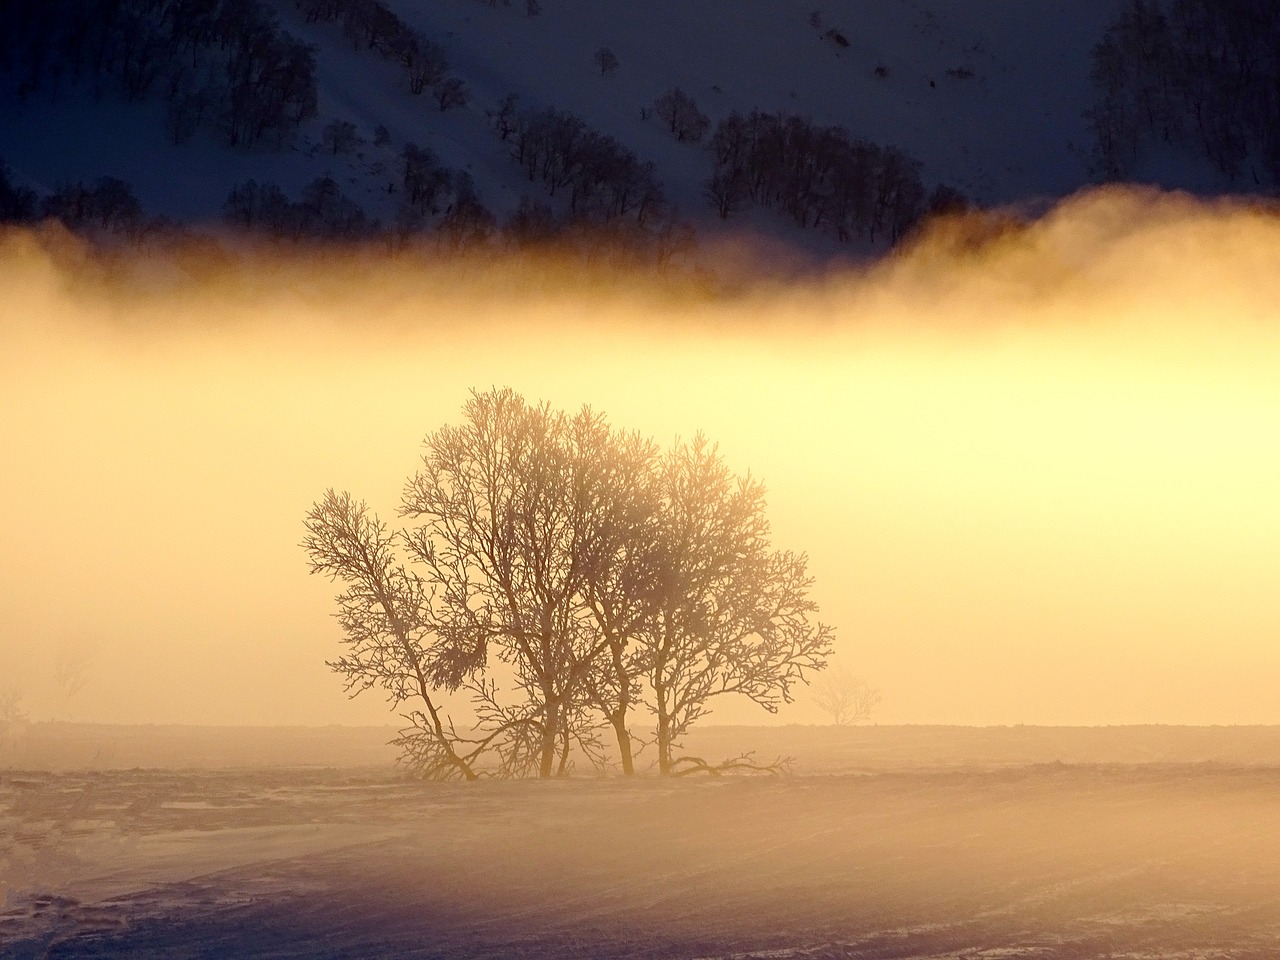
1037, 469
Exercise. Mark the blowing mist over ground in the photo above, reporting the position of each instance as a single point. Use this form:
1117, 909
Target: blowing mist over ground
1029, 462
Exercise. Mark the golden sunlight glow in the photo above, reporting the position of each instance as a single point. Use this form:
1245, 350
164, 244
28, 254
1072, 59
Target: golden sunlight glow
1037, 470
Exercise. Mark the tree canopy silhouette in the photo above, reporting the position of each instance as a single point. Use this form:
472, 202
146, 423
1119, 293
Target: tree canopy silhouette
563, 576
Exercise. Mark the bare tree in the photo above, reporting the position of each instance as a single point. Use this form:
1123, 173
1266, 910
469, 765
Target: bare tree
606, 60
391, 636
734, 616
623, 557
340, 136
497, 538
12, 717
599, 575
72, 667
680, 113
451, 94
845, 697
425, 63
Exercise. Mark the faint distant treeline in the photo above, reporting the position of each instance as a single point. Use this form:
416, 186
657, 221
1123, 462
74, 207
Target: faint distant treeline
596, 188
817, 175
219, 65
107, 207
1203, 74
434, 200
18, 204
322, 211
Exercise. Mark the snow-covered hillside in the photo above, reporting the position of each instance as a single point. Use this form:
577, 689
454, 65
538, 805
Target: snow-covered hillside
987, 97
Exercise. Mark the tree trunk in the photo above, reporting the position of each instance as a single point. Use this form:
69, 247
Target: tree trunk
619, 716
664, 733
551, 728
563, 769
619, 721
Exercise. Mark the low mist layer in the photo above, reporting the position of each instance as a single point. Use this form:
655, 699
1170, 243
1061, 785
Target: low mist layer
1034, 464
1057, 862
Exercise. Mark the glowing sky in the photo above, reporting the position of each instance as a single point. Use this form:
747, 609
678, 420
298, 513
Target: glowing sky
1038, 482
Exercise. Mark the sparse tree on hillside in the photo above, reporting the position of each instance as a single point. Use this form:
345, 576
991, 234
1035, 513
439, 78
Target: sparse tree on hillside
1199, 73
681, 115
606, 60
503, 116
340, 136
325, 212
451, 94
254, 206
728, 191
533, 222
423, 178
426, 63
467, 222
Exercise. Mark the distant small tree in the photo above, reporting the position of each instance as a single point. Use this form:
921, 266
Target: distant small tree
451, 94
190, 105
532, 8
680, 113
71, 671
729, 191
423, 178
325, 211
606, 60
258, 206
12, 717
533, 222
339, 136
381, 136
945, 200
503, 116
426, 64
468, 221
844, 697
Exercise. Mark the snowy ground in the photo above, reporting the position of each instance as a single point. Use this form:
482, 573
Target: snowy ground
1048, 862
